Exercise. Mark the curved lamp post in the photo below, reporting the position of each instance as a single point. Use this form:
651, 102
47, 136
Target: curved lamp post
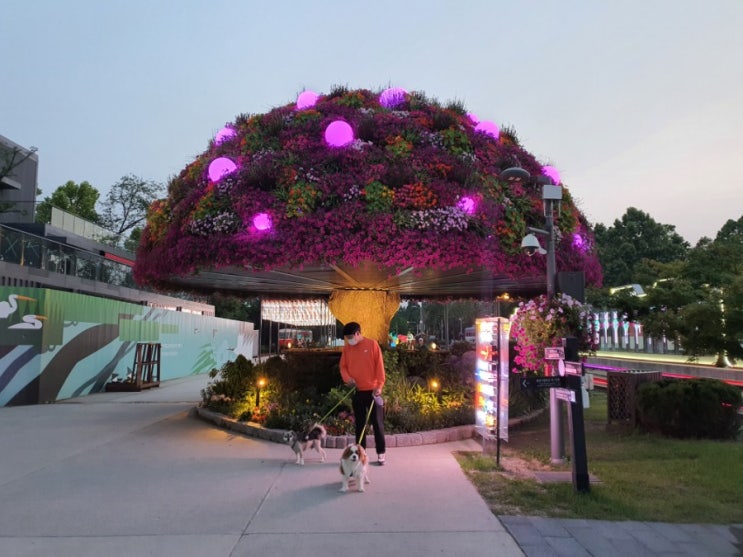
551, 198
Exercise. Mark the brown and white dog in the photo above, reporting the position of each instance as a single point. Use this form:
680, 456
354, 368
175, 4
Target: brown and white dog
354, 466
305, 441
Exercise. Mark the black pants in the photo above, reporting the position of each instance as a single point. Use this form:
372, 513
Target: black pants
361, 402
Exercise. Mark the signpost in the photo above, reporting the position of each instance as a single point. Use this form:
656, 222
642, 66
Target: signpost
541, 382
568, 388
565, 394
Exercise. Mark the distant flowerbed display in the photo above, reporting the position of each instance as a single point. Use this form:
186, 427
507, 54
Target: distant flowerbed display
354, 175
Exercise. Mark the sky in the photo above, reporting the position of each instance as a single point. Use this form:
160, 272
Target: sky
638, 103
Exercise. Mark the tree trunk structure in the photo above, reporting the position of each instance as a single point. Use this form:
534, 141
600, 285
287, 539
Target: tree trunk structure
372, 309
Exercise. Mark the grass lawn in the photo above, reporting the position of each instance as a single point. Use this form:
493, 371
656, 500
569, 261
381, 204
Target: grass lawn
640, 477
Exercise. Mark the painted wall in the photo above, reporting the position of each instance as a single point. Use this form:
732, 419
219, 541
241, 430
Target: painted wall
56, 345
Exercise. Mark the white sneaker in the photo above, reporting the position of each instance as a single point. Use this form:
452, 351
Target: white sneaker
380, 459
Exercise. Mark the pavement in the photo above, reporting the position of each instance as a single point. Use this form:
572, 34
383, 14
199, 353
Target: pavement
137, 474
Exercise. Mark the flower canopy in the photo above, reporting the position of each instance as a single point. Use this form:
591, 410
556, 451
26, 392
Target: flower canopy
353, 177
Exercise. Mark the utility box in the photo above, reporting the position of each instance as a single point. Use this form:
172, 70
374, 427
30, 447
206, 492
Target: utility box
621, 388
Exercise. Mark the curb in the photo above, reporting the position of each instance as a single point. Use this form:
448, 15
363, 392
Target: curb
446, 435
430, 437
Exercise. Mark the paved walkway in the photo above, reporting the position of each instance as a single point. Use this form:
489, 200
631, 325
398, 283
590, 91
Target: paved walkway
135, 474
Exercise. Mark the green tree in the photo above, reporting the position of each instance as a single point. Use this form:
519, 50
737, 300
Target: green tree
714, 324
239, 309
634, 238
78, 199
125, 206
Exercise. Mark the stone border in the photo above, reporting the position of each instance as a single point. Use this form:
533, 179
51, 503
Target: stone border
447, 435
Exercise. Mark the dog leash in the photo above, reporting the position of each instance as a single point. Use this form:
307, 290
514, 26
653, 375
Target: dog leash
351, 390
366, 424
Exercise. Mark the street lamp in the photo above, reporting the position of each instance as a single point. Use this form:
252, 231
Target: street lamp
551, 198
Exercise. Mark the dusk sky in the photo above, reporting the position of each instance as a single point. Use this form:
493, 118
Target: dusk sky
636, 102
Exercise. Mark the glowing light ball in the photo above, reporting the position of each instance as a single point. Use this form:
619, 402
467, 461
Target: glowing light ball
221, 167
579, 242
307, 99
339, 134
473, 118
467, 205
552, 173
392, 97
488, 128
224, 134
262, 221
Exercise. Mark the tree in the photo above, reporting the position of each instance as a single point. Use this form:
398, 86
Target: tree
78, 199
635, 237
125, 206
714, 325
12, 157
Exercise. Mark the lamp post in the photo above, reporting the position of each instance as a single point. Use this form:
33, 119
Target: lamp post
551, 198
260, 384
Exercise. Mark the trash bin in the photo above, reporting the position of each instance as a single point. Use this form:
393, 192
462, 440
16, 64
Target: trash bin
621, 388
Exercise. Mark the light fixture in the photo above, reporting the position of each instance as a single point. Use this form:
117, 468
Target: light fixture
515, 174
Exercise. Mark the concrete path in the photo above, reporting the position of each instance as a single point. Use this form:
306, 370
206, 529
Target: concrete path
133, 474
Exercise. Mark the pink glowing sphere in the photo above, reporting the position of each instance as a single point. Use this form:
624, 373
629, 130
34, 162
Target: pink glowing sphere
339, 134
466, 205
221, 167
473, 118
224, 134
552, 173
262, 221
579, 242
307, 99
488, 128
392, 97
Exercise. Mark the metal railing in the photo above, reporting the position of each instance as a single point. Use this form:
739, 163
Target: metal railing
29, 250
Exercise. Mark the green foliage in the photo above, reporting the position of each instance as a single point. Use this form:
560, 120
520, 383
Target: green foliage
233, 389
78, 199
696, 408
126, 204
635, 237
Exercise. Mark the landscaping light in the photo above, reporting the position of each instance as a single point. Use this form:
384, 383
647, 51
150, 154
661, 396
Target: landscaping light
392, 97
339, 134
488, 128
224, 134
262, 221
307, 99
221, 167
260, 384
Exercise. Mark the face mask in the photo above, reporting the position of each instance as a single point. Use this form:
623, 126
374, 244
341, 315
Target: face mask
353, 342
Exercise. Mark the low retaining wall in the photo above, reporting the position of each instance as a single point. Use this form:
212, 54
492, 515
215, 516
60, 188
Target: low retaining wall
341, 441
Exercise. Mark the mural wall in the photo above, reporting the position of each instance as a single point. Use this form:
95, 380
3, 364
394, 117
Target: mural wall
56, 345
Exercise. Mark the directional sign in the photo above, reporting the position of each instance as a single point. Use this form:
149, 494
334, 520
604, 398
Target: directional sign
554, 353
567, 395
528, 383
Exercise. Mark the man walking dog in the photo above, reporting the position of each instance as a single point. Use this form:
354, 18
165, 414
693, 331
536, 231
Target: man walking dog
362, 366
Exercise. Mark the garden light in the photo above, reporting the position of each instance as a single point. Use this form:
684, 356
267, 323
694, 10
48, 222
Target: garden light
307, 99
221, 167
390, 98
224, 134
262, 221
260, 384
339, 134
488, 128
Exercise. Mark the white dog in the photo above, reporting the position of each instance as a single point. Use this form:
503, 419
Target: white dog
301, 442
354, 466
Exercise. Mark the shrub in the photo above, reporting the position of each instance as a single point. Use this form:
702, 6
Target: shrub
233, 390
696, 408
